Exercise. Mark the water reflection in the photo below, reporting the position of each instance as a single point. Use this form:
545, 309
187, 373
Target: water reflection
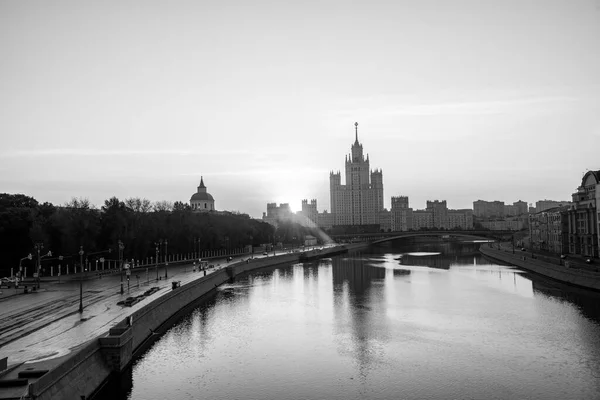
587, 302
359, 299
365, 326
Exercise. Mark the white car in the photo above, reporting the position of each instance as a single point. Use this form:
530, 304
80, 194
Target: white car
7, 281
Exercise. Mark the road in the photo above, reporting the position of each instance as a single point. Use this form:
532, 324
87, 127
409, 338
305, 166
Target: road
47, 324
55, 308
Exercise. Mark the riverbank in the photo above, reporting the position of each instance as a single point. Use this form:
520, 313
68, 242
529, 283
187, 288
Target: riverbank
83, 371
573, 276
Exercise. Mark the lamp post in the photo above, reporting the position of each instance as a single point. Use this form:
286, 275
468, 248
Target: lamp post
81, 280
513, 242
20, 274
156, 261
121, 248
38, 246
166, 261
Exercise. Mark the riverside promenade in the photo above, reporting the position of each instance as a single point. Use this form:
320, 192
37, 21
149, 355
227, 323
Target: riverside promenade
571, 270
42, 331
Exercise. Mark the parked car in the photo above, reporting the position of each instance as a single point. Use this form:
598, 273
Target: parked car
265, 253
229, 259
7, 281
589, 261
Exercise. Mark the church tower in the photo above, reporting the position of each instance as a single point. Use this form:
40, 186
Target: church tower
360, 200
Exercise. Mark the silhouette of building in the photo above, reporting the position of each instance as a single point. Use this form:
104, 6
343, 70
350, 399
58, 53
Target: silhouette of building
543, 205
325, 220
486, 209
276, 213
583, 217
202, 201
360, 200
309, 214
438, 216
516, 208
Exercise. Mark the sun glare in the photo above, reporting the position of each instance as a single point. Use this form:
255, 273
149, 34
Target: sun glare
290, 199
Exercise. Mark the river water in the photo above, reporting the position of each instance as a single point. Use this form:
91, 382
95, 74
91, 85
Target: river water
405, 321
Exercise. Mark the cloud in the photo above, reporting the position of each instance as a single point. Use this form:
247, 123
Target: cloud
265, 172
118, 152
465, 108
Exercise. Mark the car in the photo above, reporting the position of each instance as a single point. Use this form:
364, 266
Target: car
589, 261
229, 258
7, 281
265, 253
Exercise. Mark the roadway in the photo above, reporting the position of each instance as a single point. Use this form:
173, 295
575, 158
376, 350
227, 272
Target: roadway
46, 324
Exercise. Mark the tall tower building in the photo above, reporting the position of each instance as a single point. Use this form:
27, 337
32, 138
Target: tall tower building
360, 200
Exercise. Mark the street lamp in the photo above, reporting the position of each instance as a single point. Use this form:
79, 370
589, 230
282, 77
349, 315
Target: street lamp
20, 275
513, 242
121, 248
81, 280
38, 246
166, 261
156, 260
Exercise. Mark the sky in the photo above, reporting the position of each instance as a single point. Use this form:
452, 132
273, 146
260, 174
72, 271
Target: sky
456, 100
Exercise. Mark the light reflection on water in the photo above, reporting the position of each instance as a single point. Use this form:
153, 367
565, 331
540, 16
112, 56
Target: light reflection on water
370, 326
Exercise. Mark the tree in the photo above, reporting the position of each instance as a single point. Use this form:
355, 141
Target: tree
8, 200
163, 205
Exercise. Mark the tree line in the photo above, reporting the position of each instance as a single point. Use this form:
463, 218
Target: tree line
136, 222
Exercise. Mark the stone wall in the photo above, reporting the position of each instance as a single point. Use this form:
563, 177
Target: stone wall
577, 277
84, 371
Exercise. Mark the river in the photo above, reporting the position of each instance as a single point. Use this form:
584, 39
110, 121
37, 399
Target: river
406, 320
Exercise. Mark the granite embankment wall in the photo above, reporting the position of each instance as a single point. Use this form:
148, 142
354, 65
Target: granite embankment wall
562, 273
85, 370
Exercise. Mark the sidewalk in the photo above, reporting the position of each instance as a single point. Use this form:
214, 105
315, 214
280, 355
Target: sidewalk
55, 308
574, 261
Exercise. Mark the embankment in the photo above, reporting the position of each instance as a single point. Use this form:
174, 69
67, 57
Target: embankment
561, 273
85, 370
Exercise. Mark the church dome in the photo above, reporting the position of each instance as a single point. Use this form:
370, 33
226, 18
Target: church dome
202, 201
202, 196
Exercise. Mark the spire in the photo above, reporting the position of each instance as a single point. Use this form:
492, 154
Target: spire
356, 131
202, 182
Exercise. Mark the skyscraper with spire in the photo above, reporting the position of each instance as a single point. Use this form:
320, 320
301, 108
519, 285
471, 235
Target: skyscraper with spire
360, 200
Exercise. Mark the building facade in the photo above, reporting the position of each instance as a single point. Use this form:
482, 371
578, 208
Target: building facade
401, 214
486, 209
360, 200
503, 225
549, 230
583, 217
385, 220
438, 216
543, 205
325, 220
515, 209
202, 201
460, 219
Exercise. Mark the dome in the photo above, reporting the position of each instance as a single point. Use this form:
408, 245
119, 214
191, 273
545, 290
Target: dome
202, 196
202, 201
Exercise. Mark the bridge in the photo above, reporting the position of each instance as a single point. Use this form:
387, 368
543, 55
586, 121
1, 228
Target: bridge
375, 238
